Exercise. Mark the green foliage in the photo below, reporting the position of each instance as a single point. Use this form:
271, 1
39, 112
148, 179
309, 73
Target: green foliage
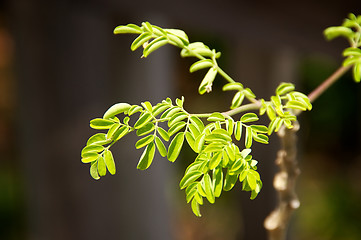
221, 140
351, 30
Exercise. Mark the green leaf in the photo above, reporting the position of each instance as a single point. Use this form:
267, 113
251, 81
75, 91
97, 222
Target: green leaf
189, 178
208, 188
217, 181
357, 72
233, 86
154, 45
101, 167
98, 139
147, 106
147, 157
333, 32
116, 109
206, 84
259, 128
231, 152
201, 64
215, 160
92, 148
163, 133
284, 88
213, 147
158, 109
230, 126
193, 130
99, 123
248, 140
190, 191
351, 51
180, 34
199, 142
175, 147
261, 138
143, 120
237, 100
89, 157
176, 128
197, 122
140, 40
249, 117
109, 161
134, 109
112, 130
238, 130
190, 139
94, 170
147, 128
121, 132
251, 180
170, 112
229, 181
177, 118
130, 28
144, 141
219, 135
160, 146
195, 208
216, 116
294, 104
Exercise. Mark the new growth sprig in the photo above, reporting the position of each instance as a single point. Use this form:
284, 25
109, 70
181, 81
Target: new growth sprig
222, 141
351, 30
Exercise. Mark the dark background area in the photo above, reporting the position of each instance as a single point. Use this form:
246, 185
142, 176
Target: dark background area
61, 66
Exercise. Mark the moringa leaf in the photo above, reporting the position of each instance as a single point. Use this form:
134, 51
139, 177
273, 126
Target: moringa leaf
109, 161
160, 146
144, 141
147, 157
175, 147
100, 123
116, 109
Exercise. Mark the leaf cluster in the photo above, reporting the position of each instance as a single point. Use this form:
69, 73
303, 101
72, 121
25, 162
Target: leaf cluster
351, 30
214, 137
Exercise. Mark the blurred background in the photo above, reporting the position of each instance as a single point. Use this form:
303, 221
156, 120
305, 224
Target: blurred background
61, 66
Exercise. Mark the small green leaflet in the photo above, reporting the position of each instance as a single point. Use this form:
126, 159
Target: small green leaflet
147, 157
175, 147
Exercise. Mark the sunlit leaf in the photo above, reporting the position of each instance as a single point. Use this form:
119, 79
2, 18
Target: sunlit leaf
100, 123
175, 147
94, 170
144, 119
216, 116
101, 167
160, 146
147, 157
144, 141
130, 28
140, 40
249, 117
116, 109
147, 128
201, 64
189, 178
109, 161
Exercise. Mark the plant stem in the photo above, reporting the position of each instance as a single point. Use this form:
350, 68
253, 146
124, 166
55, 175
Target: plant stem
285, 183
285, 180
327, 83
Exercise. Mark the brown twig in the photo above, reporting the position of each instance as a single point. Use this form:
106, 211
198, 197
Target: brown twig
284, 182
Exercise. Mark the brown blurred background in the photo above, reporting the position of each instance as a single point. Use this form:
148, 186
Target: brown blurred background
60, 66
